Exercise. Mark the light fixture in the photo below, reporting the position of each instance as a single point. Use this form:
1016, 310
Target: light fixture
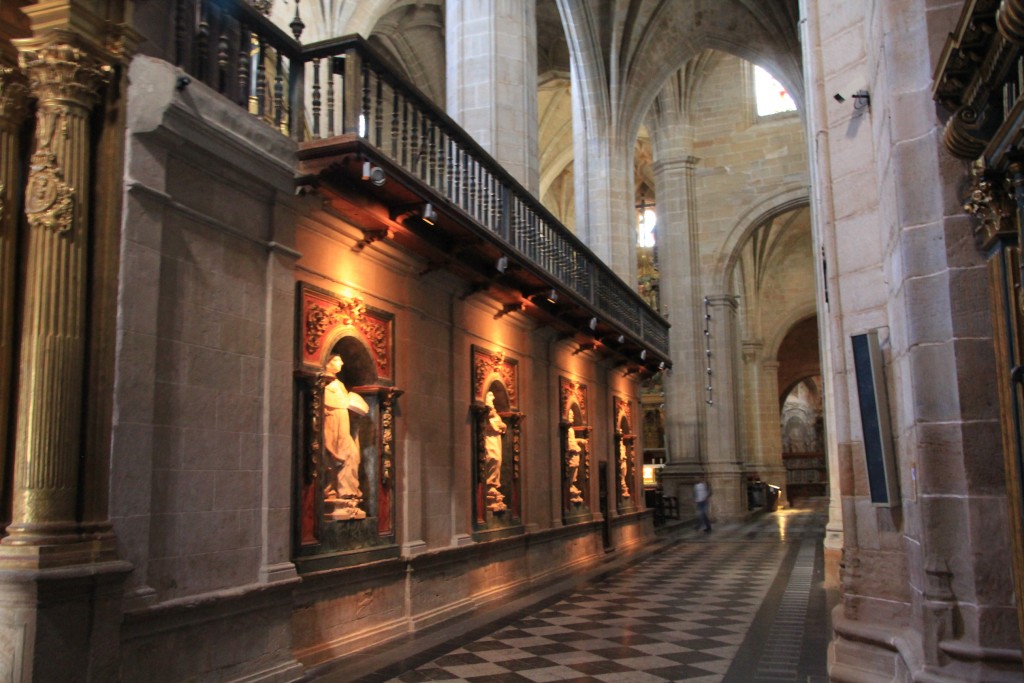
661, 365
621, 339
429, 215
861, 99
375, 174
592, 324
502, 264
552, 296
643, 355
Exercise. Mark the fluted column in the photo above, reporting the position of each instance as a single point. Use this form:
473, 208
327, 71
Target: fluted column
65, 79
13, 109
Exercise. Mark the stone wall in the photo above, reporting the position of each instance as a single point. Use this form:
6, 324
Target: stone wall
205, 454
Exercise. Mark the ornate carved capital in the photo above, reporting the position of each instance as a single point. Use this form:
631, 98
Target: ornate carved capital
319, 319
962, 134
63, 73
990, 203
1010, 20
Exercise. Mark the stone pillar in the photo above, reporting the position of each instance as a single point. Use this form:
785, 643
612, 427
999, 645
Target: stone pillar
773, 469
678, 244
492, 79
13, 100
724, 467
65, 78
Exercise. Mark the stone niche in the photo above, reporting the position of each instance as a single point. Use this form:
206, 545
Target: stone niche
497, 442
575, 440
346, 462
624, 450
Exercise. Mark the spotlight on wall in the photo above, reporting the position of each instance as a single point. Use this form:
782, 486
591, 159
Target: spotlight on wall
552, 296
182, 83
375, 174
502, 264
621, 339
592, 324
643, 355
661, 365
429, 214
861, 99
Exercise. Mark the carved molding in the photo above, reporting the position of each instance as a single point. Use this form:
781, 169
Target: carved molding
571, 392
991, 204
1010, 20
49, 201
320, 319
494, 363
62, 73
323, 312
962, 134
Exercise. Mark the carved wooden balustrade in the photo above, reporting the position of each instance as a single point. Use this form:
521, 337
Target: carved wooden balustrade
343, 87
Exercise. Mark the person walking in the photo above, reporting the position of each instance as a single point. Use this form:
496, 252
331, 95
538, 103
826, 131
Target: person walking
701, 493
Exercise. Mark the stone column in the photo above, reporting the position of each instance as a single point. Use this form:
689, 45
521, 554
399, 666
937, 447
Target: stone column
678, 244
13, 99
492, 79
724, 466
65, 78
773, 470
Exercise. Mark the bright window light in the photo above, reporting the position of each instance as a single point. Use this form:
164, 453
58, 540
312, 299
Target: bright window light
645, 228
771, 95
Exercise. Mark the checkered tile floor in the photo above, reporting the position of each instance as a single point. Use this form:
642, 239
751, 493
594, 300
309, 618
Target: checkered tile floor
681, 615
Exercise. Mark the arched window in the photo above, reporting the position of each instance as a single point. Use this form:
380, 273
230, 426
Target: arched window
771, 95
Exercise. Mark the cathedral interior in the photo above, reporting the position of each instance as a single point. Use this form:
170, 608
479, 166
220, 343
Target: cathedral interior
328, 322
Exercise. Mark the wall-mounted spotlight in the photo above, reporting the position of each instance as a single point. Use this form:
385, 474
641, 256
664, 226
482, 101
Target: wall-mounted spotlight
182, 82
661, 365
502, 264
621, 339
592, 324
375, 174
861, 99
643, 355
552, 296
429, 214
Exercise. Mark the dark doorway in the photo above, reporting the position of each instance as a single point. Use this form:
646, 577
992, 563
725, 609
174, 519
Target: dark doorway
602, 494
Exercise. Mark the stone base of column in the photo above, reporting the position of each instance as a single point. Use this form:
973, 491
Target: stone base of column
677, 480
728, 484
92, 550
61, 624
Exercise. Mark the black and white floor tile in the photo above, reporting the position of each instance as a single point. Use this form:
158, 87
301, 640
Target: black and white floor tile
682, 615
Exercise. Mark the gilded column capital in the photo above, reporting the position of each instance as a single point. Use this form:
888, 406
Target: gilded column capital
64, 72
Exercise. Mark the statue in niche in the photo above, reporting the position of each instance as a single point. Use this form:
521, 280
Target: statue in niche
624, 468
493, 430
341, 441
573, 448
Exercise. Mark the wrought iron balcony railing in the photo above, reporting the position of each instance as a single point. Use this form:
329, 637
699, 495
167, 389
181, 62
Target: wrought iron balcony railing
343, 87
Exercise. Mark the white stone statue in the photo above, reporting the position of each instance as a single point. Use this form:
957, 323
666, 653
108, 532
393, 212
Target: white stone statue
341, 492
573, 448
623, 468
493, 429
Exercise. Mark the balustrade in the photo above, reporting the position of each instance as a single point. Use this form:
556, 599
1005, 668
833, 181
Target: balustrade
352, 92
